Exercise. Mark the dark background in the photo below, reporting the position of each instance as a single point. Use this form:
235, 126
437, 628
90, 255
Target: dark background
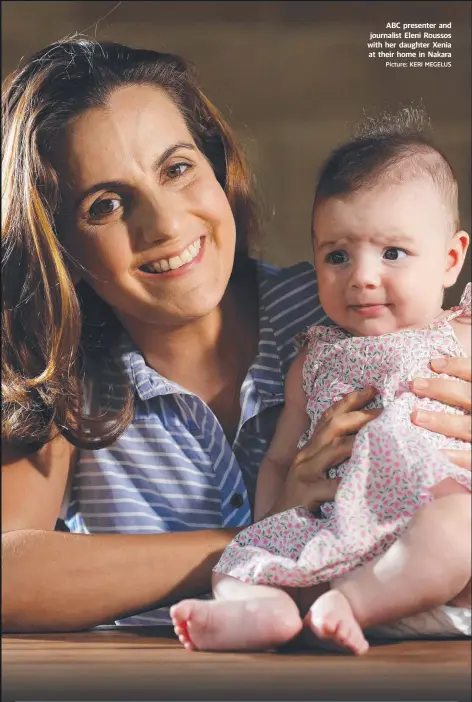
291, 77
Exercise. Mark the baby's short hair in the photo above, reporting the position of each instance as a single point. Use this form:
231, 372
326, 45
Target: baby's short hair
391, 147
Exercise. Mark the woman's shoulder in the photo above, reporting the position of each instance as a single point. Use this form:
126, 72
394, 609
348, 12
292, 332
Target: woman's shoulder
290, 295
288, 285
289, 305
298, 274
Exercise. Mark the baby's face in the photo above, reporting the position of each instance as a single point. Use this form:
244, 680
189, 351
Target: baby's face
381, 256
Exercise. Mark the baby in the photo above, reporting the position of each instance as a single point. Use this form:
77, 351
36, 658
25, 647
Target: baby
394, 548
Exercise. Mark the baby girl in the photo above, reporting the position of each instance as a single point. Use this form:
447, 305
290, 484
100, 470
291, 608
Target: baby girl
392, 554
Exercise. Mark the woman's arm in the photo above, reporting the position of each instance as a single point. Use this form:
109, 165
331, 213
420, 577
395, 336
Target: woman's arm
63, 582
451, 393
60, 582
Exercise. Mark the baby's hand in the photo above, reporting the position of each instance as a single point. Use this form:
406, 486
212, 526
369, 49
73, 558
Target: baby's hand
307, 483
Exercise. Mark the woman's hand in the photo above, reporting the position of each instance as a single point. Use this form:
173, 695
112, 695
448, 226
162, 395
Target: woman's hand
307, 483
451, 393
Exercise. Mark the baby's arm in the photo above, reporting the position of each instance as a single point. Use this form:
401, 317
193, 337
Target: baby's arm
292, 423
461, 326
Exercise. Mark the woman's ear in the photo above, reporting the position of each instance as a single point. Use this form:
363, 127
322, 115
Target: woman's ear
456, 251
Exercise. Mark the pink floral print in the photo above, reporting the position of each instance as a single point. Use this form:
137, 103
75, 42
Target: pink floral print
394, 464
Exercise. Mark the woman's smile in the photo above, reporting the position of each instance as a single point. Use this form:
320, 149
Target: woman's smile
176, 264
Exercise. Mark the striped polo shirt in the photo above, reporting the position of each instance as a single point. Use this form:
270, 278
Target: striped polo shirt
173, 468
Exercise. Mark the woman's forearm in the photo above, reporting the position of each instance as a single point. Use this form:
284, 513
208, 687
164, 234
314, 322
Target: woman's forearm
54, 581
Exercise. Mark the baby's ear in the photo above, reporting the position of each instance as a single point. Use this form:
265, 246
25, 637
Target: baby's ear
456, 251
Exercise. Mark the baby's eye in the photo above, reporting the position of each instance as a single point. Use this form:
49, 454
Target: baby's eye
176, 170
335, 258
394, 254
105, 207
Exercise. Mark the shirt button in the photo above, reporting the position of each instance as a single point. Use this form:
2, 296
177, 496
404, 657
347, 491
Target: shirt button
237, 500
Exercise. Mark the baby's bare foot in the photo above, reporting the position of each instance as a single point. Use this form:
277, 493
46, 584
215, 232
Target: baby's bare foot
232, 625
331, 617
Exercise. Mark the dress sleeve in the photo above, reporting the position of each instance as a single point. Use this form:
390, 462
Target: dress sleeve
465, 303
311, 340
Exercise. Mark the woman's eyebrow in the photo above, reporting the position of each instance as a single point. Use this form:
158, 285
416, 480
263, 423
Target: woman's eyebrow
171, 150
111, 184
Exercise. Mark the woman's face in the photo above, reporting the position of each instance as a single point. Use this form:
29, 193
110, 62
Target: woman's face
143, 211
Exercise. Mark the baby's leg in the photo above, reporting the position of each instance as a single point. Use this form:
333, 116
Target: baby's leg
242, 617
430, 565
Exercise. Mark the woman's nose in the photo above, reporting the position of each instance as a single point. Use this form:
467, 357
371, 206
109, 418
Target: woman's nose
159, 220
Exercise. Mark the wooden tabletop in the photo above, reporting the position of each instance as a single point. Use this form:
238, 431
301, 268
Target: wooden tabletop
149, 664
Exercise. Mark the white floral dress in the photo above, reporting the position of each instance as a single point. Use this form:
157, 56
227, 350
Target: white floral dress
393, 466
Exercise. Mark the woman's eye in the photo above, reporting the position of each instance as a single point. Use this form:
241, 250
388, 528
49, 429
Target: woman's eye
105, 207
176, 170
336, 257
394, 254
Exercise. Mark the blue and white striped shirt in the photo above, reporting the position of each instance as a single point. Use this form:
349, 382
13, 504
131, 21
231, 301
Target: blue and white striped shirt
173, 468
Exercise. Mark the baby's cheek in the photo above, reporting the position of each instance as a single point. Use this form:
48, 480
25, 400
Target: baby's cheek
331, 291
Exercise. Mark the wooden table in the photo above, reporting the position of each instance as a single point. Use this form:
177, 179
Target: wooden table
150, 664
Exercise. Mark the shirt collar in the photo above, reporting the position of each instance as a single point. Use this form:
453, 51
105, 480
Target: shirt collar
266, 371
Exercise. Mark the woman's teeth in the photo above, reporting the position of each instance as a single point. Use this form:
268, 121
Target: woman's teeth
170, 264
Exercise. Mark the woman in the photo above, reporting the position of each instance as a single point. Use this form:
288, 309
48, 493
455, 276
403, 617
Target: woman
144, 352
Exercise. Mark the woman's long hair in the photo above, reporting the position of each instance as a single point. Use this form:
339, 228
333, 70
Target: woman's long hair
53, 332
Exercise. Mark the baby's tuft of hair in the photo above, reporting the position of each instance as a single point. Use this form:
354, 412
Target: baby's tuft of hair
411, 121
392, 147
